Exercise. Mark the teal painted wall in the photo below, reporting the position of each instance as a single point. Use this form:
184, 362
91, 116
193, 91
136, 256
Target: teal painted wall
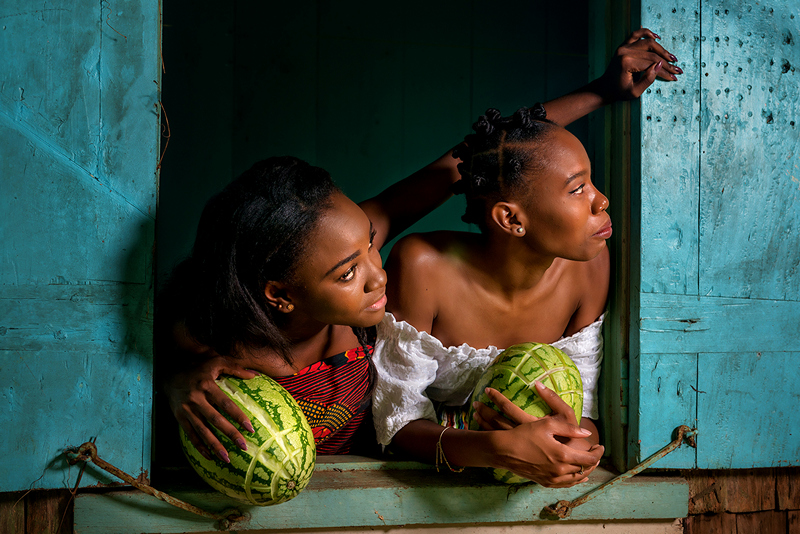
716, 317
79, 119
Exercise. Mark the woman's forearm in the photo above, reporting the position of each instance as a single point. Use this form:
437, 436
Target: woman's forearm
419, 440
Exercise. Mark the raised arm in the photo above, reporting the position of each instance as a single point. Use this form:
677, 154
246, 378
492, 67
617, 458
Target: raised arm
634, 67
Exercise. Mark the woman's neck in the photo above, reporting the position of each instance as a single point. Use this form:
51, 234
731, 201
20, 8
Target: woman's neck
508, 267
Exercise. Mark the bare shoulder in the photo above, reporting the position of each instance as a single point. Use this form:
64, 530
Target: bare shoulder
418, 267
422, 252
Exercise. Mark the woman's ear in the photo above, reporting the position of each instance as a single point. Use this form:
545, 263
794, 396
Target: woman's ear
509, 218
277, 298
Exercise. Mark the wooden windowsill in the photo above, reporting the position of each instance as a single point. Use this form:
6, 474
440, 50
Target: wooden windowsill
352, 491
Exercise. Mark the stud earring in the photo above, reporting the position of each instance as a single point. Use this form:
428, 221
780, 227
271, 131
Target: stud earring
520, 230
289, 307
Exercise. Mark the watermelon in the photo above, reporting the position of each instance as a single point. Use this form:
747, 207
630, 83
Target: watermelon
280, 455
513, 374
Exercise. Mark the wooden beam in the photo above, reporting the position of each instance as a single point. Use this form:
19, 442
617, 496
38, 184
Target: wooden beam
379, 494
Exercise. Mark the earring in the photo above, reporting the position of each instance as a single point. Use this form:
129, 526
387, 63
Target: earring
520, 230
289, 307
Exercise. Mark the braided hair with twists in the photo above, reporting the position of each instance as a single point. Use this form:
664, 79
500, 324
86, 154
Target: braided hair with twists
498, 157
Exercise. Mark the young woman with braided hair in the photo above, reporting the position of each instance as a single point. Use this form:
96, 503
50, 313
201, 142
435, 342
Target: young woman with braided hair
259, 295
538, 271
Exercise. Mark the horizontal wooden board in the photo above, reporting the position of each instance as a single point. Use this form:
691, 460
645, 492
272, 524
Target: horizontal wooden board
370, 497
688, 324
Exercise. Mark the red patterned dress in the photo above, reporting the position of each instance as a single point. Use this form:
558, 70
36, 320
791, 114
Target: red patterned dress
335, 395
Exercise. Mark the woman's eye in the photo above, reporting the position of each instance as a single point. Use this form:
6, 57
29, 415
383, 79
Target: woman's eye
578, 190
371, 239
349, 275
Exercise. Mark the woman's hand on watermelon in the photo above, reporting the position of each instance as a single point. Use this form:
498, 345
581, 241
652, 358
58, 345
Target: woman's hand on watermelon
197, 402
535, 448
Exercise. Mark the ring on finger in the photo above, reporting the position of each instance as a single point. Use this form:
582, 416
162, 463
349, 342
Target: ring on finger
581, 471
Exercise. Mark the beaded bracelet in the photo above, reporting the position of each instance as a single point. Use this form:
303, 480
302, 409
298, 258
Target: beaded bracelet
440, 454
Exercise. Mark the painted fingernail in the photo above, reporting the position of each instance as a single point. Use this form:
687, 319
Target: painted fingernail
674, 78
224, 455
657, 36
673, 58
241, 444
249, 427
680, 70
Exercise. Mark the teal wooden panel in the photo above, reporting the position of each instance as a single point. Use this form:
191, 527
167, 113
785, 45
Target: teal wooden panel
719, 242
686, 324
750, 214
78, 196
670, 177
664, 393
747, 410
381, 498
59, 106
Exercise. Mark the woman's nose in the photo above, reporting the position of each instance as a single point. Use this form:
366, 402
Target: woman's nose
377, 276
600, 202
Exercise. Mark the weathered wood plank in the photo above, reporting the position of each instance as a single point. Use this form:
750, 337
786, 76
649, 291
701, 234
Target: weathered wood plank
761, 522
12, 512
79, 163
788, 488
49, 512
732, 389
663, 388
678, 323
793, 522
610, 151
750, 184
670, 176
747, 490
381, 498
710, 524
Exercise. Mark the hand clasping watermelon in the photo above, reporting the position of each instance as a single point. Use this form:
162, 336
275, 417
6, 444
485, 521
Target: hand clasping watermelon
280, 455
513, 374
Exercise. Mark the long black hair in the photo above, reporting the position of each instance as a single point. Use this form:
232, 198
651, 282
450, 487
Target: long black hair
497, 158
254, 231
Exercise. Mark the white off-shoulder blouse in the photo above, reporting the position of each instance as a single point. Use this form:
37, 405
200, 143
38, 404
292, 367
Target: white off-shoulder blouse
415, 369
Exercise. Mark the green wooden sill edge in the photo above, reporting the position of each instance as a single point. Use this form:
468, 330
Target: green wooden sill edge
349, 491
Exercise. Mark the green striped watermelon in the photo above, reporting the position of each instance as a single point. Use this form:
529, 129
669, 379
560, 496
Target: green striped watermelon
280, 455
513, 373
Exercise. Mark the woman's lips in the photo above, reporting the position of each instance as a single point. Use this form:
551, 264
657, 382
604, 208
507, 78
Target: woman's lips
604, 232
379, 304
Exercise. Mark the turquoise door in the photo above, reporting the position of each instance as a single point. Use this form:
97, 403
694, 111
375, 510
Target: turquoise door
79, 123
715, 318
